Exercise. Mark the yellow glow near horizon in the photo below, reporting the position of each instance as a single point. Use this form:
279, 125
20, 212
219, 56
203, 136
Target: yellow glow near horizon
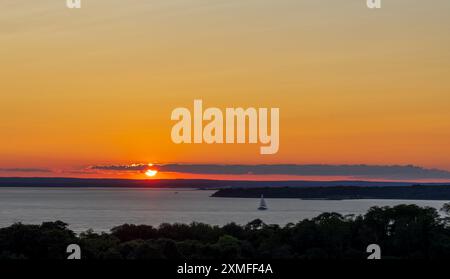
151, 173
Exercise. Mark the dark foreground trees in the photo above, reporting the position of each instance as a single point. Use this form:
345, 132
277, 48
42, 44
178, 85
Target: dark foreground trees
404, 231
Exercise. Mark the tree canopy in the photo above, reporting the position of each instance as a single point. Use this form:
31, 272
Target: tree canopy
403, 231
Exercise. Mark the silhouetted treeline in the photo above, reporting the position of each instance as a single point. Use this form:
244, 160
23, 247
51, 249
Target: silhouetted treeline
404, 231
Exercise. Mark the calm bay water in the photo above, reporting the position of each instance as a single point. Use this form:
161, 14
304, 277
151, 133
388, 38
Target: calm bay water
103, 208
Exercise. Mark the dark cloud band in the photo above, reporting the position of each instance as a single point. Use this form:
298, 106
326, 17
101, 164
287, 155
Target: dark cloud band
358, 171
24, 170
133, 167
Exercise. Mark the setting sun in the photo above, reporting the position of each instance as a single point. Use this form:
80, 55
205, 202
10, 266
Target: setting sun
151, 173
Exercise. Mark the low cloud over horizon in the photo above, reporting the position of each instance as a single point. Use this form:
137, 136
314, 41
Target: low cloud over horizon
27, 170
395, 172
297, 171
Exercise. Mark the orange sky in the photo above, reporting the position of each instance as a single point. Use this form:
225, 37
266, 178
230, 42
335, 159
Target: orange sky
97, 85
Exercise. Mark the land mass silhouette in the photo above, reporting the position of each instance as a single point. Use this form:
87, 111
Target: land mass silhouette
186, 183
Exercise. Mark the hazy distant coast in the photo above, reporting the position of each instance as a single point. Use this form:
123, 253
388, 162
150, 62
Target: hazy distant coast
188, 183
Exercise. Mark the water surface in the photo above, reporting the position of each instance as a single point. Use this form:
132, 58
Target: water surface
103, 208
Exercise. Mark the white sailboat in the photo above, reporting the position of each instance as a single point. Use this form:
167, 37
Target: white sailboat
262, 204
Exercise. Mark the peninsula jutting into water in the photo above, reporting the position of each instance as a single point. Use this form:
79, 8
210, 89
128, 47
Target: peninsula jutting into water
418, 192
325, 190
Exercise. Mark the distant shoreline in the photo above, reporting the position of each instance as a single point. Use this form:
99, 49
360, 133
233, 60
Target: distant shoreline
50, 182
430, 192
307, 190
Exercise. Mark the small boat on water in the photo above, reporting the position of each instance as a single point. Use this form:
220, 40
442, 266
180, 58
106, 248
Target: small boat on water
262, 204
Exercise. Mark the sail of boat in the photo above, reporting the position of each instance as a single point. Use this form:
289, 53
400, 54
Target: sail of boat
262, 204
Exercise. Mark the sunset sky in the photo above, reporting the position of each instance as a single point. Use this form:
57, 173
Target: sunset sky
96, 86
